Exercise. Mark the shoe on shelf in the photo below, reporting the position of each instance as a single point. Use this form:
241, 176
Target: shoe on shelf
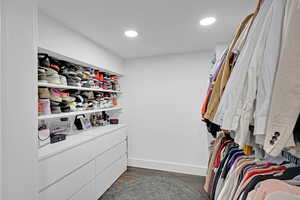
44, 93
55, 103
52, 76
55, 64
74, 81
45, 106
40, 108
54, 79
79, 99
72, 106
72, 73
65, 107
44, 60
68, 99
55, 95
88, 94
79, 107
63, 80
42, 70
50, 72
63, 94
42, 79
42, 74
90, 106
55, 107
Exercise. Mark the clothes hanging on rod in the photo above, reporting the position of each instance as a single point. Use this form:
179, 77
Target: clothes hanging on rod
211, 127
226, 68
255, 78
225, 112
261, 89
236, 176
222, 69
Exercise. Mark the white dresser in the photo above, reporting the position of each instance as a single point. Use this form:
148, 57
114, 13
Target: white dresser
84, 166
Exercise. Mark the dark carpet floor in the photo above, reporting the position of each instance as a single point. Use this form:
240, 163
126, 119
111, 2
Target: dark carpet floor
145, 184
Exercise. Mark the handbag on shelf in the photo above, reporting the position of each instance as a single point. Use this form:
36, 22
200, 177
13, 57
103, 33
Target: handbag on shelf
82, 122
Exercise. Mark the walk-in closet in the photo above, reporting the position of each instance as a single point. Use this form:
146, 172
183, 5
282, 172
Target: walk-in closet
150, 100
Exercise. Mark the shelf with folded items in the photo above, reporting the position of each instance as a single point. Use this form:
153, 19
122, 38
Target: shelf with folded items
50, 85
68, 114
74, 60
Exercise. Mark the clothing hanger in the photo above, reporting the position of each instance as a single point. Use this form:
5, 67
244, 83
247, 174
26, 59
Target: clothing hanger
258, 5
254, 14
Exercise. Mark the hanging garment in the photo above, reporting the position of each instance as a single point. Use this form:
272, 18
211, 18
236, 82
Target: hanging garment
227, 109
283, 115
217, 144
256, 93
259, 138
225, 71
285, 104
231, 182
212, 78
245, 184
282, 195
222, 172
235, 175
270, 186
285, 174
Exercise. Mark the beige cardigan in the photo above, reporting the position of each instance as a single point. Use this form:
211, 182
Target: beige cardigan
285, 103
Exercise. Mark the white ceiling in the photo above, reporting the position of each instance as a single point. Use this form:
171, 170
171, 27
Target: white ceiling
164, 26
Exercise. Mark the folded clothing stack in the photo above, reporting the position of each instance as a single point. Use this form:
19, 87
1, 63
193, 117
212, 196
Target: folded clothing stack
48, 70
44, 101
56, 101
62, 101
52, 70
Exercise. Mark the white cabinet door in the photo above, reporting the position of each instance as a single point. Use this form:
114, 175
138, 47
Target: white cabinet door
105, 179
88, 192
58, 166
109, 157
108, 141
70, 184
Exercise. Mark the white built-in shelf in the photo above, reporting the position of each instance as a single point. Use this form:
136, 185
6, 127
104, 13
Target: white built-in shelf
50, 85
75, 140
74, 61
68, 114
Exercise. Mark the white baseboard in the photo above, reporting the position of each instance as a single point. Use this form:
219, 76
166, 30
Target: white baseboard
168, 166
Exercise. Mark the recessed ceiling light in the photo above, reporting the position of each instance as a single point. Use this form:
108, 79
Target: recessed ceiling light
207, 21
131, 33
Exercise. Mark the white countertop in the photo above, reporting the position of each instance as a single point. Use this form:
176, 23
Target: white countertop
75, 140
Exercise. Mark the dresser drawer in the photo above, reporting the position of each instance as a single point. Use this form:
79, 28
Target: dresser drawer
57, 166
106, 142
107, 177
69, 185
88, 192
107, 158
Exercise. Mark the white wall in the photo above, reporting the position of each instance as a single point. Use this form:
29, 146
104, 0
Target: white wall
19, 99
1, 72
163, 97
56, 37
